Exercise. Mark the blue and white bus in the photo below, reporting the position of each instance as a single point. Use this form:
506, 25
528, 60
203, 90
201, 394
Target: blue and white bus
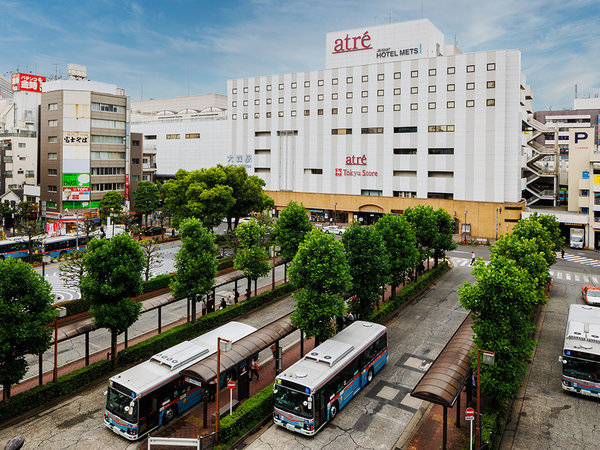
53, 246
152, 393
312, 391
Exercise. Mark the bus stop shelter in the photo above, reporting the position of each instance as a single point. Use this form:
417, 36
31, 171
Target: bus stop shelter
450, 372
239, 356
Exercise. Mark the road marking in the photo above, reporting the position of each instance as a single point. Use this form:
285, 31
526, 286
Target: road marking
586, 280
576, 278
559, 275
568, 276
594, 280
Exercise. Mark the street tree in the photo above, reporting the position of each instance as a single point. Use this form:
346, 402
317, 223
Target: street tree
110, 205
152, 256
291, 229
195, 263
25, 307
32, 234
113, 275
369, 268
424, 223
534, 229
400, 244
320, 270
26, 211
147, 199
252, 257
501, 303
72, 270
442, 241
88, 225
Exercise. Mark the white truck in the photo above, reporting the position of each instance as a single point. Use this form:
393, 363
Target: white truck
576, 238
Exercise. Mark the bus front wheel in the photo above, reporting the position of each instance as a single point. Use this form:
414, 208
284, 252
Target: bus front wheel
169, 415
333, 411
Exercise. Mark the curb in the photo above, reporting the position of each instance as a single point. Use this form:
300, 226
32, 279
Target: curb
413, 425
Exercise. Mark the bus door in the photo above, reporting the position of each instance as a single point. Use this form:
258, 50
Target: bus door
320, 408
148, 413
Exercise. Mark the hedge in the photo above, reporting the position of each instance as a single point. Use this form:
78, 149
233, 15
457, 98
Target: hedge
225, 263
408, 292
73, 381
158, 282
247, 416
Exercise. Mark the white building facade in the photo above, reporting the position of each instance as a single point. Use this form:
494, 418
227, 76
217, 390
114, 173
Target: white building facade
395, 113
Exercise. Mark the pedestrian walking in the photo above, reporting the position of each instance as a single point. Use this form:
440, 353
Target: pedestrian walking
472, 258
102, 233
562, 253
223, 304
349, 318
254, 369
236, 296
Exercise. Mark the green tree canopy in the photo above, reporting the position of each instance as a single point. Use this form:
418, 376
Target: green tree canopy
291, 229
25, 307
535, 229
251, 257
113, 274
195, 263
111, 204
400, 244
501, 302
321, 271
424, 222
442, 241
369, 267
147, 199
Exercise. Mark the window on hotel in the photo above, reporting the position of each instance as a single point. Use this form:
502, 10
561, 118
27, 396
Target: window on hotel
268, 115
470, 68
334, 81
234, 117
397, 107
257, 102
450, 104
334, 96
380, 77
470, 103
269, 87
307, 84
450, 70
372, 130
470, 86
233, 104
307, 98
256, 88
432, 88
320, 83
269, 101
379, 108
192, 136
294, 85
293, 99
320, 111
307, 112
52, 106
450, 87
432, 72
490, 102
491, 66
281, 86
364, 94
53, 123
245, 116
320, 97
52, 155
414, 106
340, 131
379, 92
52, 139
431, 105
349, 110
256, 115
172, 136
405, 129
334, 110
280, 114
245, 103
414, 90
348, 80
491, 84
364, 109
280, 100
365, 78
245, 89
234, 91
348, 94
405, 151
414, 73
440, 128
397, 91
396, 75
293, 114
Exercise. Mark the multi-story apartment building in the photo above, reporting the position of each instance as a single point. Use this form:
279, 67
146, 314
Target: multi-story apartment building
142, 164
396, 118
84, 144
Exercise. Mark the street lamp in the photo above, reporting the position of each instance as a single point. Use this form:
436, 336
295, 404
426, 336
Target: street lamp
60, 313
465, 226
488, 359
226, 347
335, 213
498, 210
45, 260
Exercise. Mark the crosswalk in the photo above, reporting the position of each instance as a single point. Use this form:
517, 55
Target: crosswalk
585, 279
580, 260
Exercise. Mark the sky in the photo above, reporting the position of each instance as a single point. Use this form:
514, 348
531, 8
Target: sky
158, 49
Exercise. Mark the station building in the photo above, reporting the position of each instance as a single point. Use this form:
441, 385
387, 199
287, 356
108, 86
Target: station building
395, 119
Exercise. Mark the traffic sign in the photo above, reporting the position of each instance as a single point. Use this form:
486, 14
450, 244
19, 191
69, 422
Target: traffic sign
231, 384
469, 414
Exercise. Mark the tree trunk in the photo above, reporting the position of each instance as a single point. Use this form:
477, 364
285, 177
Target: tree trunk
393, 291
113, 348
193, 309
6, 393
249, 289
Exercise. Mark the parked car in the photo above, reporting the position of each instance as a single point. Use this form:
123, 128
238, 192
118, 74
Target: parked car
591, 295
246, 219
154, 231
333, 229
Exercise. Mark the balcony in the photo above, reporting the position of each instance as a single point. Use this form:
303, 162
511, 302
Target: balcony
149, 166
149, 149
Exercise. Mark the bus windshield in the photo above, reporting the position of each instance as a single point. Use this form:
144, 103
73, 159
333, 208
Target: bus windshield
292, 402
582, 369
117, 402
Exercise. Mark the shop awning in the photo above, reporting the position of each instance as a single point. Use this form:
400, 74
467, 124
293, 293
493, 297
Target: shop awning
316, 211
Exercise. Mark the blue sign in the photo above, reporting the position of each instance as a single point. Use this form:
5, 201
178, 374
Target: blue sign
585, 175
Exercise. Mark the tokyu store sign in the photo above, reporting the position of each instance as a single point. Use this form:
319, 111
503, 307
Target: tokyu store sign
392, 42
